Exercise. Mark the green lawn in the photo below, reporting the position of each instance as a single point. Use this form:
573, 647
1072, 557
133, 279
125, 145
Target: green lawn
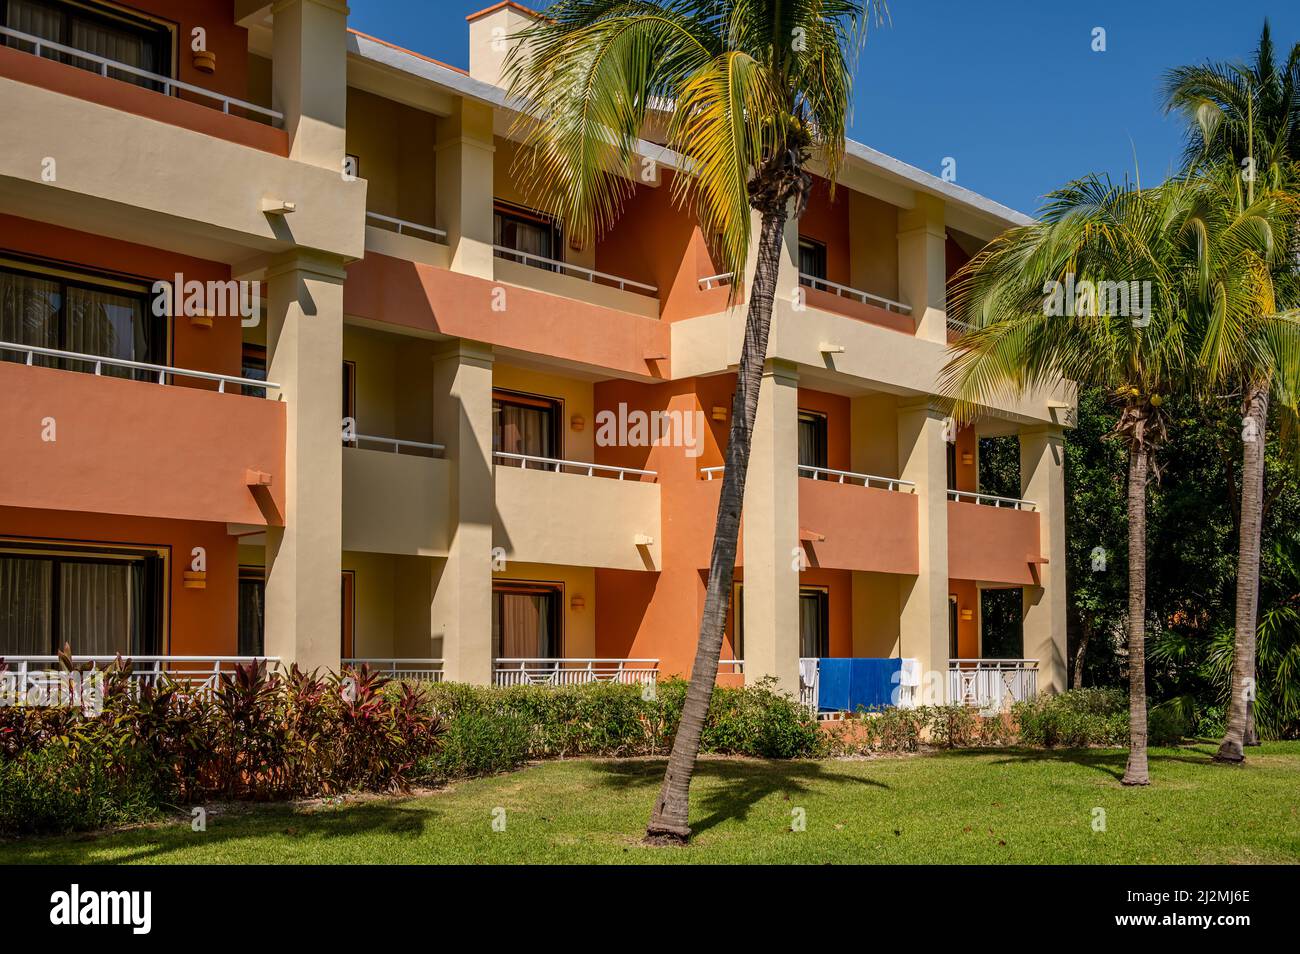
980, 807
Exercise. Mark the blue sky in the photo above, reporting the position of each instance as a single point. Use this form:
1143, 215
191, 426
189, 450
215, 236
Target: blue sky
1010, 89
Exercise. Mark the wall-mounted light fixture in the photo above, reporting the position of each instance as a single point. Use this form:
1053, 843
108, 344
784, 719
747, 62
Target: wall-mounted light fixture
577, 603
577, 422
205, 61
967, 457
967, 613
719, 412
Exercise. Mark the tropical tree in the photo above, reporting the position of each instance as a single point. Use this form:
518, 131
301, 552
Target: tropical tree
747, 92
1245, 119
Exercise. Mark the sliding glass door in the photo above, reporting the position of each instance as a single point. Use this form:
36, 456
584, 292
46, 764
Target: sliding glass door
526, 621
51, 308
99, 602
95, 28
525, 424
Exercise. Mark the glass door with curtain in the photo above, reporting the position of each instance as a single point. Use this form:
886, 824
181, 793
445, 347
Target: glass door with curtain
526, 622
524, 424
95, 28
814, 623
97, 602
524, 230
252, 611
812, 440
812, 260
52, 308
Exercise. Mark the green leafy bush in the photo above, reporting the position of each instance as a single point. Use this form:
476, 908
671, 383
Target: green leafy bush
1076, 718
51, 790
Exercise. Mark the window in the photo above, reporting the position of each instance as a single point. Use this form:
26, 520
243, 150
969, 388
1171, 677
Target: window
52, 308
812, 258
350, 389
252, 611
814, 622
736, 620
525, 424
812, 439
524, 230
952, 627
109, 33
952, 465
253, 367
526, 622
99, 600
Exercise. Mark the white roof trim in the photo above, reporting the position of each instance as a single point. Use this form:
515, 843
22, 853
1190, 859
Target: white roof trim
411, 64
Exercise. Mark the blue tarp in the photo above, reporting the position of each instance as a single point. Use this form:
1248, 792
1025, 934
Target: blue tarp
845, 684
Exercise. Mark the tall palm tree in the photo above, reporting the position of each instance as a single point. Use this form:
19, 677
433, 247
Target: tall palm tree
1245, 118
749, 91
1024, 335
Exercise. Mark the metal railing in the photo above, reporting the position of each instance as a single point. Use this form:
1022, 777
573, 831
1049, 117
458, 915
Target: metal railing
573, 672
736, 666
160, 370
555, 265
559, 466
399, 225
404, 670
848, 476
990, 500
394, 444
194, 674
716, 281
844, 291
106, 67
991, 683
708, 473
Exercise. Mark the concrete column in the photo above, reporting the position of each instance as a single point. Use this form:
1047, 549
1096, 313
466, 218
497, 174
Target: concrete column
465, 186
771, 533
923, 599
922, 266
309, 78
304, 339
1042, 480
460, 612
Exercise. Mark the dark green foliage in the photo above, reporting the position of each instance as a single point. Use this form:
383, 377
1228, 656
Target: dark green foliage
1075, 719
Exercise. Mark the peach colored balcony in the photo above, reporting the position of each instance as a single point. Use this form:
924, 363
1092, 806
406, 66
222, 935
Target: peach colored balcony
35, 61
993, 539
154, 442
855, 303
851, 521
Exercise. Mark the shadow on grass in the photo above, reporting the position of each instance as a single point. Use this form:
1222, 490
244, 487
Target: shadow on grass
152, 844
1110, 762
738, 784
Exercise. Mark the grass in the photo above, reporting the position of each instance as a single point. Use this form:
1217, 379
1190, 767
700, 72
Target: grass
1001, 806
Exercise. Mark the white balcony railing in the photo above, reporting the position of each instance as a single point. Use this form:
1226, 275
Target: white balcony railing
708, 473
849, 477
558, 466
420, 448
577, 271
573, 672
809, 678
717, 281
844, 291
736, 666
112, 70
402, 227
32, 675
158, 372
991, 684
989, 500
404, 670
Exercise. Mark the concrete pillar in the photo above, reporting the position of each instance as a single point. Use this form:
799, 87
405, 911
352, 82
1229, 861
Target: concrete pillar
492, 34
771, 533
309, 78
1042, 480
304, 339
465, 186
923, 599
922, 266
460, 612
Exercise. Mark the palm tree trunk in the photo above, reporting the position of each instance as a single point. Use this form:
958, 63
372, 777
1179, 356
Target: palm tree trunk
669, 820
1248, 546
1085, 637
1138, 466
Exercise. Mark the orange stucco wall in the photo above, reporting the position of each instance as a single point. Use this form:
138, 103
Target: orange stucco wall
968, 632
991, 544
132, 447
424, 297
826, 220
866, 528
201, 622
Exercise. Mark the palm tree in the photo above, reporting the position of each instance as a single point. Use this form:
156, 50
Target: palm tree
1024, 335
749, 91
1245, 118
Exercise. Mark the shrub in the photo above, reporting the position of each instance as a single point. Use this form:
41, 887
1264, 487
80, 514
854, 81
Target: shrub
50, 790
1075, 718
478, 742
953, 726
